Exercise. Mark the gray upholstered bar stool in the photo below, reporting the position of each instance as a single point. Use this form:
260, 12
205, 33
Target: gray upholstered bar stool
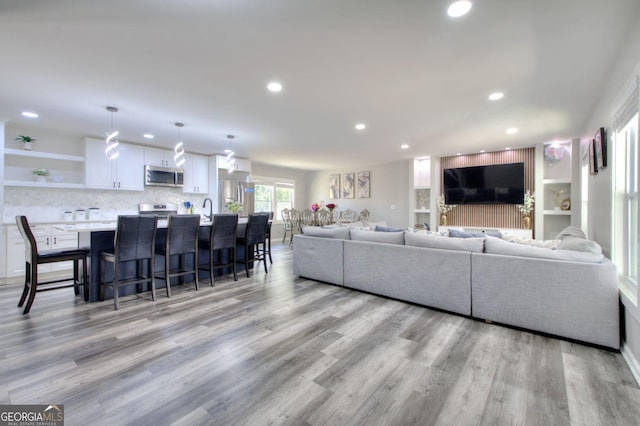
182, 241
134, 241
221, 239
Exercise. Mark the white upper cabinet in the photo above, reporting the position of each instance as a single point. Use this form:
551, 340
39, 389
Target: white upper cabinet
196, 174
125, 172
240, 164
158, 157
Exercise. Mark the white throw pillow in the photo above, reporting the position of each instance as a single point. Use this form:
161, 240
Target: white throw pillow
438, 242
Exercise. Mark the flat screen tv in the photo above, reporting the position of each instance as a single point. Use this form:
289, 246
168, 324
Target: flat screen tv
495, 184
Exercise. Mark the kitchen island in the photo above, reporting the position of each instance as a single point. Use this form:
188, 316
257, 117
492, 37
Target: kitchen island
99, 237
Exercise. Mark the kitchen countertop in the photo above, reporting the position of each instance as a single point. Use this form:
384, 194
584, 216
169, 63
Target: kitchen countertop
105, 225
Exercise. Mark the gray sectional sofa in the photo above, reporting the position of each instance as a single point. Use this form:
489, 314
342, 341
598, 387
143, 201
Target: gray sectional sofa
567, 293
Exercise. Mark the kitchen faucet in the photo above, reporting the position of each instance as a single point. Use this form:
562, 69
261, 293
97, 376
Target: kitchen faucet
210, 215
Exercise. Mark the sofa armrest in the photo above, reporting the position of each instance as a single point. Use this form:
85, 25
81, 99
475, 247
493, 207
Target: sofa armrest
319, 258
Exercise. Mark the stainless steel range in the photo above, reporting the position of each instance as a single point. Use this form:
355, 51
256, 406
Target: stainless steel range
160, 210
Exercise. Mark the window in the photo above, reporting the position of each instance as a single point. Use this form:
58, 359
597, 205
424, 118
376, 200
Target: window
274, 195
626, 201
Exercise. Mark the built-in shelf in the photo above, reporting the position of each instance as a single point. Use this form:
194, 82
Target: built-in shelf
558, 212
40, 154
34, 184
551, 181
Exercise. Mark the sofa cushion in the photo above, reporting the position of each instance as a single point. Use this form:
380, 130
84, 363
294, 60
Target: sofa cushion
550, 244
579, 244
378, 237
380, 228
438, 242
499, 246
571, 231
315, 231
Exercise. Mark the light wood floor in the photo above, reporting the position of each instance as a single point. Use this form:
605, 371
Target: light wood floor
277, 349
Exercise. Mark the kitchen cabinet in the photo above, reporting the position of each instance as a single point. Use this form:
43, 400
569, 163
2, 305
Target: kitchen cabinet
47, 238
196, 174
65, 171
123, 173
158, 157
240, 164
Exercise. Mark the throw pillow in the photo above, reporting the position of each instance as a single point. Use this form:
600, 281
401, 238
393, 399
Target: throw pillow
387, 229
579, 244
498, 246
431, 241
378, 237
455, 233
315, 231
550, 244
571, 231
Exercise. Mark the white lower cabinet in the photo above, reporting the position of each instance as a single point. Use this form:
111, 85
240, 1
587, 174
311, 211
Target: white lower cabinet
47, 238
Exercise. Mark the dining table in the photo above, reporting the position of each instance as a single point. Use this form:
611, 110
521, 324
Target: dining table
99, 237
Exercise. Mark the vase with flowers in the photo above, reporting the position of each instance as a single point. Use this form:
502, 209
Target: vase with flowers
331, 206
40, 175
527, 208
444, 209
315, 207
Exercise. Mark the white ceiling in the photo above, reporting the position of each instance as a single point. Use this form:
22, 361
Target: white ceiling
403, 67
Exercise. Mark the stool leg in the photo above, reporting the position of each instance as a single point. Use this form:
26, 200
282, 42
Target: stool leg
27, 284
34, 288
152, 274
211, 264
167, 274
76, 282
85, 279
116, 301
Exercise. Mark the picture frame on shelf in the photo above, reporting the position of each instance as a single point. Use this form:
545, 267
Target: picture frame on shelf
600, 148
593, 165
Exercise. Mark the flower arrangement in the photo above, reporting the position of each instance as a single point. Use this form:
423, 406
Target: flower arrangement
187, 205
331, 206
315, 207
233, 206
553, 153
40, 172
529, 201
444, 208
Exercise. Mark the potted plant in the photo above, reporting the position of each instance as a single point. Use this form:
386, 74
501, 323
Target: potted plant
233, 206
27, 141
40, 175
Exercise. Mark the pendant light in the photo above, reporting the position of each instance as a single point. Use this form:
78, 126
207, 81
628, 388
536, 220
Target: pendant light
179, 148
231, 160
111, 151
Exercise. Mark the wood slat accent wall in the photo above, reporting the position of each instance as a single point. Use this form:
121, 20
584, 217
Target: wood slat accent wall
491, 216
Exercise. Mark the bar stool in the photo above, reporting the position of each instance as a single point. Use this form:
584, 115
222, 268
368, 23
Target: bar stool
268, 236
182, 240
135, 241
254, 236
33, 258
221, 238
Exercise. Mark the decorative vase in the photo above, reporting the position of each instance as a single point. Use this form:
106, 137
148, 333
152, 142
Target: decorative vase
526, 221
27, 146
443, 220
38, 178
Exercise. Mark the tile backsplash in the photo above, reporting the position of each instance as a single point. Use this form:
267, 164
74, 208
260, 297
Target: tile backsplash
49, 204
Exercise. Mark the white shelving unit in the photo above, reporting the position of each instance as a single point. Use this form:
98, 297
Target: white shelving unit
19, 164
557, 185
425, 182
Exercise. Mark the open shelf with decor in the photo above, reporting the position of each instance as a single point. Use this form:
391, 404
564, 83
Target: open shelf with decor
558, 185
421, 193
38, 169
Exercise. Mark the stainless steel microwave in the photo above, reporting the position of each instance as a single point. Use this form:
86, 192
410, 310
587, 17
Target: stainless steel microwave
163, 176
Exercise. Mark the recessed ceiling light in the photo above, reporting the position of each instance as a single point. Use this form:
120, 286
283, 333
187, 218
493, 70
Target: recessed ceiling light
228, 151
458, 153
459, 8
404, 146
512, 130
361, 126
482, 151
496, 96
29, 114
274, 86
507, 148
148, 136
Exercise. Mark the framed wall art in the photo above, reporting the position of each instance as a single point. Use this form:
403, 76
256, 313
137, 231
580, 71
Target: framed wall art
364, 184
334, 186
593, 165
600, 148
348, 185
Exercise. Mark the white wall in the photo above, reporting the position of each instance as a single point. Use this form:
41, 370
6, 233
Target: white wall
389, 199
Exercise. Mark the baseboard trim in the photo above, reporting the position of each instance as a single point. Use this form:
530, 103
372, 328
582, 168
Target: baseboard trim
632, 362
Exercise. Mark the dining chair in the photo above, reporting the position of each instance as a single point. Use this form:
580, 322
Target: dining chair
221, 241
181, 241
134, 241
307, 217
364, 215
33, 258
286, 220
296, 224
324, 217
253, 241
